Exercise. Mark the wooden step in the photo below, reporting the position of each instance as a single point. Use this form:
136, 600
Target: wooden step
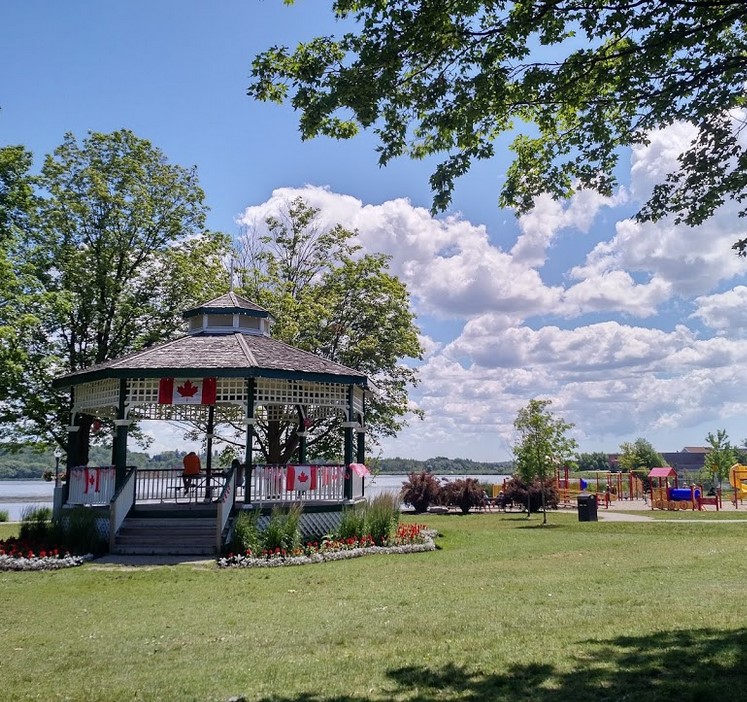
165, 535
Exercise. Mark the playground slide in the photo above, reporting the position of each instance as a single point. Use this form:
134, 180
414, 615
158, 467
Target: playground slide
738, 476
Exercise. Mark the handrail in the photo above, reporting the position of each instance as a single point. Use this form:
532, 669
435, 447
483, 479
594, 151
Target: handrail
226, 503
121, 504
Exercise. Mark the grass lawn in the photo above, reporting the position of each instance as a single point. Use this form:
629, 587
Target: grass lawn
505, 611
8, 529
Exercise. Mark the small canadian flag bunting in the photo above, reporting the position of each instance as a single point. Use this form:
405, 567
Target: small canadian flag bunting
187, 391
300, 478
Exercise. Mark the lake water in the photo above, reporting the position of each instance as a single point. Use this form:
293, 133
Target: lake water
393, 482
17, 495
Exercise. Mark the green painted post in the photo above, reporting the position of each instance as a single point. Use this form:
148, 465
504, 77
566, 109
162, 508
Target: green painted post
248, 449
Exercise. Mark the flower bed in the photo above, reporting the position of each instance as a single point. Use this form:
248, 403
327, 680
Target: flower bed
20, 555
409, 538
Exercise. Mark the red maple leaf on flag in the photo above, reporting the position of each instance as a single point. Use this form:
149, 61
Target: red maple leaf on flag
188, 389
302, 477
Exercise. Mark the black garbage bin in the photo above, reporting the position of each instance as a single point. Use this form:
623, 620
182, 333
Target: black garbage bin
587, 508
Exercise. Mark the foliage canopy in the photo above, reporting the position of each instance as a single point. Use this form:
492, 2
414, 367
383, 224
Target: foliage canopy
573, 80
333, 301
639, 454
110, 252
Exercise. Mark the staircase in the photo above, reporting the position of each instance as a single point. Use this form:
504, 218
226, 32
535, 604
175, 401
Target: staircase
185, 532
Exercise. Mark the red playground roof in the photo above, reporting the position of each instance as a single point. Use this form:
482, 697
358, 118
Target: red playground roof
663, 472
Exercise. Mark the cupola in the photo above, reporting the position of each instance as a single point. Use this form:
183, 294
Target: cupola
228, 314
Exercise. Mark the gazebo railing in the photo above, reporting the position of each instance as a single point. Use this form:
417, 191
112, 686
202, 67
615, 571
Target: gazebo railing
307, 483
91, 485
167, 485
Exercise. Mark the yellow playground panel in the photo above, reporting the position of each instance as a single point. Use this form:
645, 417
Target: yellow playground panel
738, 480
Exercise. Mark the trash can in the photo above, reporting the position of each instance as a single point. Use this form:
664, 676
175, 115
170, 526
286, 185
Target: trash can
587, 508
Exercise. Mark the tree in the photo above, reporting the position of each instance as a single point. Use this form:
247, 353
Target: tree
116, 250
329, 299
542, 443
639, 454
720, 458
593, 461
573, 81
17, 302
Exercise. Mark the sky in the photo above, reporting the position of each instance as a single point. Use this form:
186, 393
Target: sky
631, 330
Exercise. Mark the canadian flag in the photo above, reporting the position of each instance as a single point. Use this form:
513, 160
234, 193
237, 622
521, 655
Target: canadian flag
93, 480
300, 478
187, 391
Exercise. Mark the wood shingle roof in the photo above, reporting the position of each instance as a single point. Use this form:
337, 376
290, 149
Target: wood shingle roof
220, 355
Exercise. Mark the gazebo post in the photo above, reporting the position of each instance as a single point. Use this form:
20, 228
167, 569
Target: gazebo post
71, 458
119, 452
209, 450
348, 446
360, 445
248, 451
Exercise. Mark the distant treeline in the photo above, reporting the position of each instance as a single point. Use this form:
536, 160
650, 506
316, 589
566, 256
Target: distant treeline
442, 466
30, 465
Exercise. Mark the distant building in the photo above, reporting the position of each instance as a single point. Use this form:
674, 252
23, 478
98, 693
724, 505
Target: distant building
690, 459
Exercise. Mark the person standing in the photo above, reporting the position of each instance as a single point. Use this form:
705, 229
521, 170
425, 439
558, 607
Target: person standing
192, 468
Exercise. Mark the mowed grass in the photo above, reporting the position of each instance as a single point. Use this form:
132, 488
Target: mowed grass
506, 610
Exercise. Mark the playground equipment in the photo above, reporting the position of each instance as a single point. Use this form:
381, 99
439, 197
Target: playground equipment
622, 486
738, 480
666, 493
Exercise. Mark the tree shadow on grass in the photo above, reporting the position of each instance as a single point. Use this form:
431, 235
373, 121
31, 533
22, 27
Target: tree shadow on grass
699, 665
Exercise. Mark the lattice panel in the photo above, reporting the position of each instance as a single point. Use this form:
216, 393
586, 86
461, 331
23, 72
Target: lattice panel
270, 391
322, 399
313, 525
142, 390
325, 412
187, 413
357, 402
145, 390
97, 394
231, 390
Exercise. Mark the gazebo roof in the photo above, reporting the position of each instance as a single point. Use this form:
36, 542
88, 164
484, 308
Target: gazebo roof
226, 353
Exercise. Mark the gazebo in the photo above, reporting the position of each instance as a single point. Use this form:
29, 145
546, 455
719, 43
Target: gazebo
227, 369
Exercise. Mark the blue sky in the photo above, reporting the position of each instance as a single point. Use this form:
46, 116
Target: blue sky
631, 330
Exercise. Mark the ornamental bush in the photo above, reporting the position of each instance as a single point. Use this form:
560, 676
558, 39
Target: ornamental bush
353, 522
516, 490
283, 531
463, 493
382, 517
245, 534
420, 491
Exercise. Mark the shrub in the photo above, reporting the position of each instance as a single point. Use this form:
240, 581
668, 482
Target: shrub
246, 535
4, 515
353, 522
516, 490
283, 531
420, 490
382, 517
81, 532
463, 493
35, 523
